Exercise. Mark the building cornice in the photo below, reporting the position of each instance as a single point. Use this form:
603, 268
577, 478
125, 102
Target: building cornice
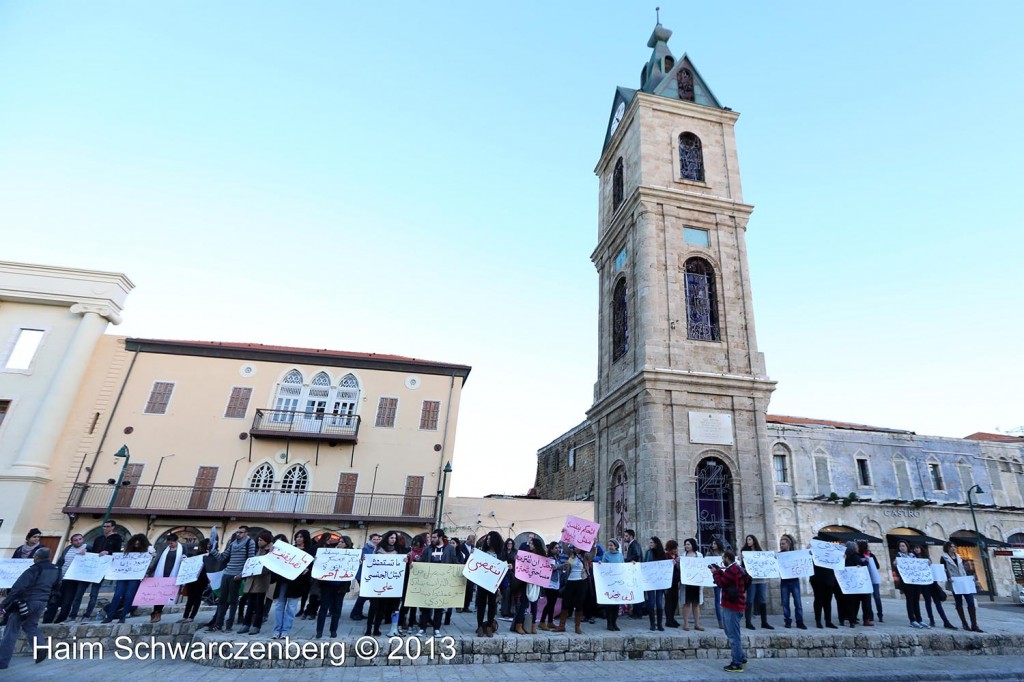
58, 286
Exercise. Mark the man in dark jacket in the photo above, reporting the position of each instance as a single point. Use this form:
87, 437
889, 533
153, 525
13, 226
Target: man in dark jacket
108, 543
369, 548
440, 551
733, 581
633, 554
33, 589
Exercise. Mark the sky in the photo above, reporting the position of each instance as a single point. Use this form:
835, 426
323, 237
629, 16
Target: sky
417, 179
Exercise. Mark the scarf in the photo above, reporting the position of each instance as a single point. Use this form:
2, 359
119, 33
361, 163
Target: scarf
162, 561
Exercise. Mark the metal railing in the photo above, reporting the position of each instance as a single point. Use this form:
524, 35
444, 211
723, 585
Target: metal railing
291, 423
184, 501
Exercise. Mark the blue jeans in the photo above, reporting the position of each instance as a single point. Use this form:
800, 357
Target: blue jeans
94, 593
791, 588
124, 595
655, 600
284, 614
878, 600
731, 623
718, 604
30, 624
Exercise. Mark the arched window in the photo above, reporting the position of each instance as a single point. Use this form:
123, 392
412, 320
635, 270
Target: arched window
262, 480
316, 399
691, 158
295, 480
714, 504
1017, 539
346, 399
620, 321
780, 462
668, 63
617, 184
288, 393
684, 85
620, 499
701, 301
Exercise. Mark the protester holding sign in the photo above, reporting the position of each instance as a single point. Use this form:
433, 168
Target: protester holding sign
486, 600
255, 588
932, 593
612, 556
522, 591
911, 592
551, 592
381, 608
758, 591
124, 590
240, 548
68, 588
954, 566
332, 593
166, 567
290, 591
105, 545
850, 603
577, 570
655, 598
194, 589
876, 578
790, 588
440, 551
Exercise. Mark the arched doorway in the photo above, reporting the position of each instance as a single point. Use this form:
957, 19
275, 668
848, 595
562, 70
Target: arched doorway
525, 535
619, 495
188, 537
91, 536
715, 518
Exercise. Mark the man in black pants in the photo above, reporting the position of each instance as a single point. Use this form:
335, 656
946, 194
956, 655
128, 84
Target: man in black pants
633, 554
369, 548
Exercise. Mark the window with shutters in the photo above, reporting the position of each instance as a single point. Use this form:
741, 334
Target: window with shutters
159, 397
903, 486
995, 479
238, 402
345, 500
387, 408
823, 482
429, 415
129, 484
413, 496
205, 478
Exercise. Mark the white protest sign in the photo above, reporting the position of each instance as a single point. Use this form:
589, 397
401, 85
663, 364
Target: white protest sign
915, 571
796, 563
286, 560
128, 566
618, 583
485, 570
828, 555
383, 575
336, 564
11, 570
89, 568
253, 566
695, 571
964, 584
761, 565
656, 575
938, 572
854, 580
580, 532
189, 570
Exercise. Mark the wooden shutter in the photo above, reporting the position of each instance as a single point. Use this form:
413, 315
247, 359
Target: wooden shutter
346, 497
159, 397
132, 475
413, 496
386, 409
205, 478
429, 415
238, 403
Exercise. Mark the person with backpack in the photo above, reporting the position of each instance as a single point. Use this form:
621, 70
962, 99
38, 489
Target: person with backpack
240, 549
734, 582
25, 602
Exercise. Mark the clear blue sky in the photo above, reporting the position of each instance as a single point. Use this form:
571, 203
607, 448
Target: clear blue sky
417, 178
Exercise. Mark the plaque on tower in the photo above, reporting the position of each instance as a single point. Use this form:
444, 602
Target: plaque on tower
710, 428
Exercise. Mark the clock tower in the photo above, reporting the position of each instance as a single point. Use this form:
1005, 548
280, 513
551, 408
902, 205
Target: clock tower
681, 394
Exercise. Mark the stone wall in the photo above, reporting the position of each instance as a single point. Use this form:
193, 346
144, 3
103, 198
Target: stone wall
565, 467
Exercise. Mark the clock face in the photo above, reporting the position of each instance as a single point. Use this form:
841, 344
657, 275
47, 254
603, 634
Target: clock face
618, 116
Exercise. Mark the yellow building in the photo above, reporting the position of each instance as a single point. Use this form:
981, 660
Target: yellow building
220, 434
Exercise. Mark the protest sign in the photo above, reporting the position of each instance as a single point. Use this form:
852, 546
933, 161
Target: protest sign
485, 570
939, 572
89, 568
618, 583
156, 592
915, 571
854, 580
795, 564
435, 586
695, 571
964, 584
335, 564
383, 575
656, 575
761, 565
253, 566
580, 532
128, 566
533, 568
286, 560
189, 570
11, 570
828, 554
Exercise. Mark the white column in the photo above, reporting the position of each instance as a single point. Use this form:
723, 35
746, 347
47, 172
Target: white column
37, 450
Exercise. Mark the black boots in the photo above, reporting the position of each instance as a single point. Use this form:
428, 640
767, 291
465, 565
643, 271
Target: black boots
651, 617
974, 619
661, 627
763, 610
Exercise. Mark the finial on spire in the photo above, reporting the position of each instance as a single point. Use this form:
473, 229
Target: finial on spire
657, 15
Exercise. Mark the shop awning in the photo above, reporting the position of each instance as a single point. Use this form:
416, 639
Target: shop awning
847, 536
915, 539
971, 541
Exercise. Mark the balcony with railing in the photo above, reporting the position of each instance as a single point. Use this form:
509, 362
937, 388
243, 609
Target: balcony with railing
243, 503
305, 425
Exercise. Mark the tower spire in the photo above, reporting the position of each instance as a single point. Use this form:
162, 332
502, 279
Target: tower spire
657, 15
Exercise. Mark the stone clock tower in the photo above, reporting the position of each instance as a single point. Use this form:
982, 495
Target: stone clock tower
682, 392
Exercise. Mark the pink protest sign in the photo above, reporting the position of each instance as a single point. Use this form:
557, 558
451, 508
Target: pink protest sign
580, 532
157, 592
533, 568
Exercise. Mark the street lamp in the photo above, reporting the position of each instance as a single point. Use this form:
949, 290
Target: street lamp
981, 542
444, 486
123, 452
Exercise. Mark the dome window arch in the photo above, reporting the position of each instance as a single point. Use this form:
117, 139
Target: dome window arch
691, 158
701, 301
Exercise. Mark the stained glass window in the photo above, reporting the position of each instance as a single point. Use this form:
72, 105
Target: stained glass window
691, 158
617, 184
714, 504
701, 301
684, 84
620, 321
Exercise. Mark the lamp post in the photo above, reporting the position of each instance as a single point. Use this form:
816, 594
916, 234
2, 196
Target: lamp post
444, 486
123, 452
153, 484
227, 493
981, 542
